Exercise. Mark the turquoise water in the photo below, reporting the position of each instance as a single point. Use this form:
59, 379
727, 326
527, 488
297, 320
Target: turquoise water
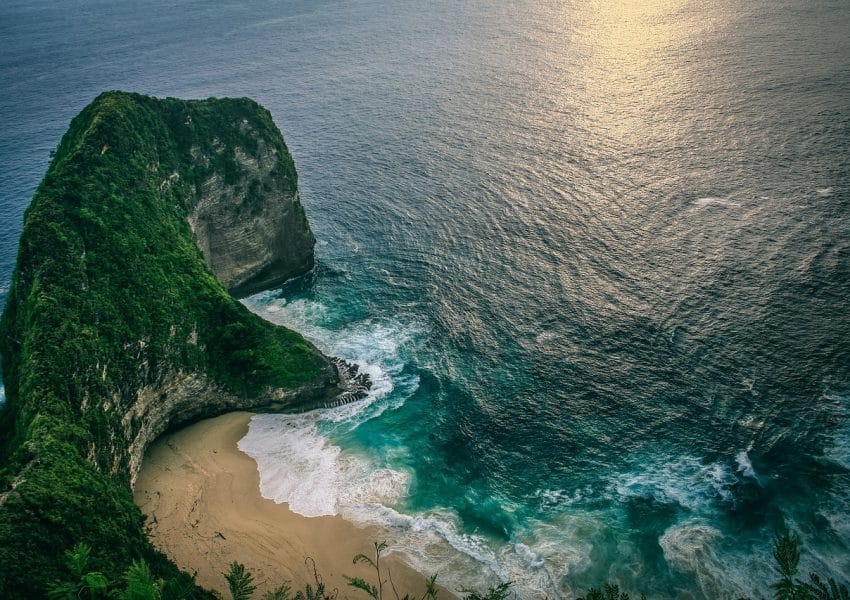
595, 256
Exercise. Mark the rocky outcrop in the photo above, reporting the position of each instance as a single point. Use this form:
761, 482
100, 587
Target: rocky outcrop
187, 397
252, 230
355, 384
119, 324
248, 221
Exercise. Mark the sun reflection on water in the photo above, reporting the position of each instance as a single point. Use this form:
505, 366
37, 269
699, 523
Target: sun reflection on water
631, 58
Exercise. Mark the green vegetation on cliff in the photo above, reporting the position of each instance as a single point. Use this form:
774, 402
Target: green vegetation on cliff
111, 296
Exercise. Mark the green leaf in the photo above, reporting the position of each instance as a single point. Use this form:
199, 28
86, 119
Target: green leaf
63, 591
96, 583
500, 592
361, 584
430, 588
359, 558
279, 593
786, 553
239, 581
78, 559
141, 584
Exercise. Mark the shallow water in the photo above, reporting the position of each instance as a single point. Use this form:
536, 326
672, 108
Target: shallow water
595, 255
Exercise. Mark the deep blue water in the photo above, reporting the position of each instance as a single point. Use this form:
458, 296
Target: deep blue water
596, 256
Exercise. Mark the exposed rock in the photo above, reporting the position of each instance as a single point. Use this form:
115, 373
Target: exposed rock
253, 231
355, 384
183, 398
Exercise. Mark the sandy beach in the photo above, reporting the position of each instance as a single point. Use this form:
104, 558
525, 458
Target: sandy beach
204, 510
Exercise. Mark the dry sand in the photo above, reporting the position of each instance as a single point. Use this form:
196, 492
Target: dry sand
204, 510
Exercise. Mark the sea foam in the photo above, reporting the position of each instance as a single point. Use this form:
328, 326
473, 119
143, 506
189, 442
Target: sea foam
301, 465
715, 201
684, 480
302, 468
297, 461
308, 462
689, 548
745, 466
695, 548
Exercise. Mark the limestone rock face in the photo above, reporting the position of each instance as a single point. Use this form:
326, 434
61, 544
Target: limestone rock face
183, 397
252, 230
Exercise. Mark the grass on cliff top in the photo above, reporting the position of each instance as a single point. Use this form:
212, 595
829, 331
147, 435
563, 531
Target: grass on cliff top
110, 293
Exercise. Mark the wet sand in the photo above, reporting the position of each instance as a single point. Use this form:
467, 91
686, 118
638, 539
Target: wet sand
202, 499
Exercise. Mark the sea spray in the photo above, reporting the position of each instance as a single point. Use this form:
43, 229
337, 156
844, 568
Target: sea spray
302, 468
316, 463
302, 462
745, 465
684, 481
313, 463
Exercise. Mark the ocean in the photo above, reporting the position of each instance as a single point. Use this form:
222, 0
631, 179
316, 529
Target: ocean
594, 255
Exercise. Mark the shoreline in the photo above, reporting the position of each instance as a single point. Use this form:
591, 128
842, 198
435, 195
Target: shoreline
201, 498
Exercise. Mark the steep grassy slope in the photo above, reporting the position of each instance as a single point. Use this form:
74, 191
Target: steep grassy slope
116, 328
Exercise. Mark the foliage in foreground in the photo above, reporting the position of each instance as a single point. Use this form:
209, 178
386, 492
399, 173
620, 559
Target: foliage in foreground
786, 553
139, 584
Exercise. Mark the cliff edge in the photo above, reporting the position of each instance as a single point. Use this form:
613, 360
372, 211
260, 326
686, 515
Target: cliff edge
246, 216
119, 324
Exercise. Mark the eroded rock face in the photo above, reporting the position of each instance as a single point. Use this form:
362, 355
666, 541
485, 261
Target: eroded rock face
252, 229
248, 221
183, 398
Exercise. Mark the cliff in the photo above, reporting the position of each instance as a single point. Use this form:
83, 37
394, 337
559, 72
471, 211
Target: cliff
247, 219
119, 324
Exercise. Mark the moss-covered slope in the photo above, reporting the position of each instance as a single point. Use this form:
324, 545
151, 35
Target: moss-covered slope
116, 328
